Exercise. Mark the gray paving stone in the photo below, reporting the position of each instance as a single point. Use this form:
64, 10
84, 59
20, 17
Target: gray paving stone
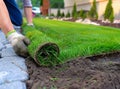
12, 69
13, 85
8, 52
8, 46
3, 38
1, 46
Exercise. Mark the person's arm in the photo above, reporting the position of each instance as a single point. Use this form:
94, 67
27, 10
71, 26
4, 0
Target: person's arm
28, 11
18, 41
5, 22
28, 14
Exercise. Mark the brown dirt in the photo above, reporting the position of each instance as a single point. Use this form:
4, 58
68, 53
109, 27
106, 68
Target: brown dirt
96, 72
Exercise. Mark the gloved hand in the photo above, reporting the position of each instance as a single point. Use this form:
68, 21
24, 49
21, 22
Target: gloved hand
19, 43
30, 24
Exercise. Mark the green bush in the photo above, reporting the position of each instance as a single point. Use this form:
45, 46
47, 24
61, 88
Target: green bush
83, 14
68, 14
93, 15
109, 13
111, 18
62, 15
74, 11
58, 13
52, 14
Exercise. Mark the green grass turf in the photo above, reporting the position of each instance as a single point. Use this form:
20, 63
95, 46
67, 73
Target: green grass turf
76, 40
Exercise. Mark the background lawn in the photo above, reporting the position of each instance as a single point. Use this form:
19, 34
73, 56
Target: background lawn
76, 40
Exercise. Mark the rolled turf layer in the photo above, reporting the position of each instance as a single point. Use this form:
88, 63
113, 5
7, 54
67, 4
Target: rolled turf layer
42, 49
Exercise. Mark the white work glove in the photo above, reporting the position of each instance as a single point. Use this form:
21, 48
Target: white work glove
30, 24
19, 43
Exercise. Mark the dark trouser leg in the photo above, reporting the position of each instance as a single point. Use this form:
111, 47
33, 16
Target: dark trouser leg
14, 12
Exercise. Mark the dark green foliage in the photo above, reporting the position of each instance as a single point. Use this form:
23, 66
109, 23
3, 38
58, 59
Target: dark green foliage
108, 10
57, 3
83, 14
93, 11
68, 14
53, 3
41, 2
62, 15
58, 13
111, 18
74, 11
109, 13
35, 3
52, 14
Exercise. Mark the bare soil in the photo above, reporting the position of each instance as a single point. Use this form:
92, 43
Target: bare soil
95, 72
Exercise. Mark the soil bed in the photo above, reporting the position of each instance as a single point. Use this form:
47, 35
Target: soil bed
116, 25
97, 72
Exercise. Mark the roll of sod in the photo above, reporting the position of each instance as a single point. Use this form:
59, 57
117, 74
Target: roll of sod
42, 49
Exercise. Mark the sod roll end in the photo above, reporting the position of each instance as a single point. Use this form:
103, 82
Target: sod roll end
47, 54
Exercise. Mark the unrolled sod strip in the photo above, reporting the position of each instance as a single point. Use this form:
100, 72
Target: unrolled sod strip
42, 49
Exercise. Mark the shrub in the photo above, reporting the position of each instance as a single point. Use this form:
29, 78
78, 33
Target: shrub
62, 15
111, 18
74, 11
52, 14
58, 13
82, 14
68, 14
109, 13
93, 15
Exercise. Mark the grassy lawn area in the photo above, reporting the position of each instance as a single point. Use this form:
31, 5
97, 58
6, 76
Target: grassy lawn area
76, 40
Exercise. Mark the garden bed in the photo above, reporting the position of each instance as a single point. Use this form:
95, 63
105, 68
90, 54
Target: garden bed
98, 72
116, 25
